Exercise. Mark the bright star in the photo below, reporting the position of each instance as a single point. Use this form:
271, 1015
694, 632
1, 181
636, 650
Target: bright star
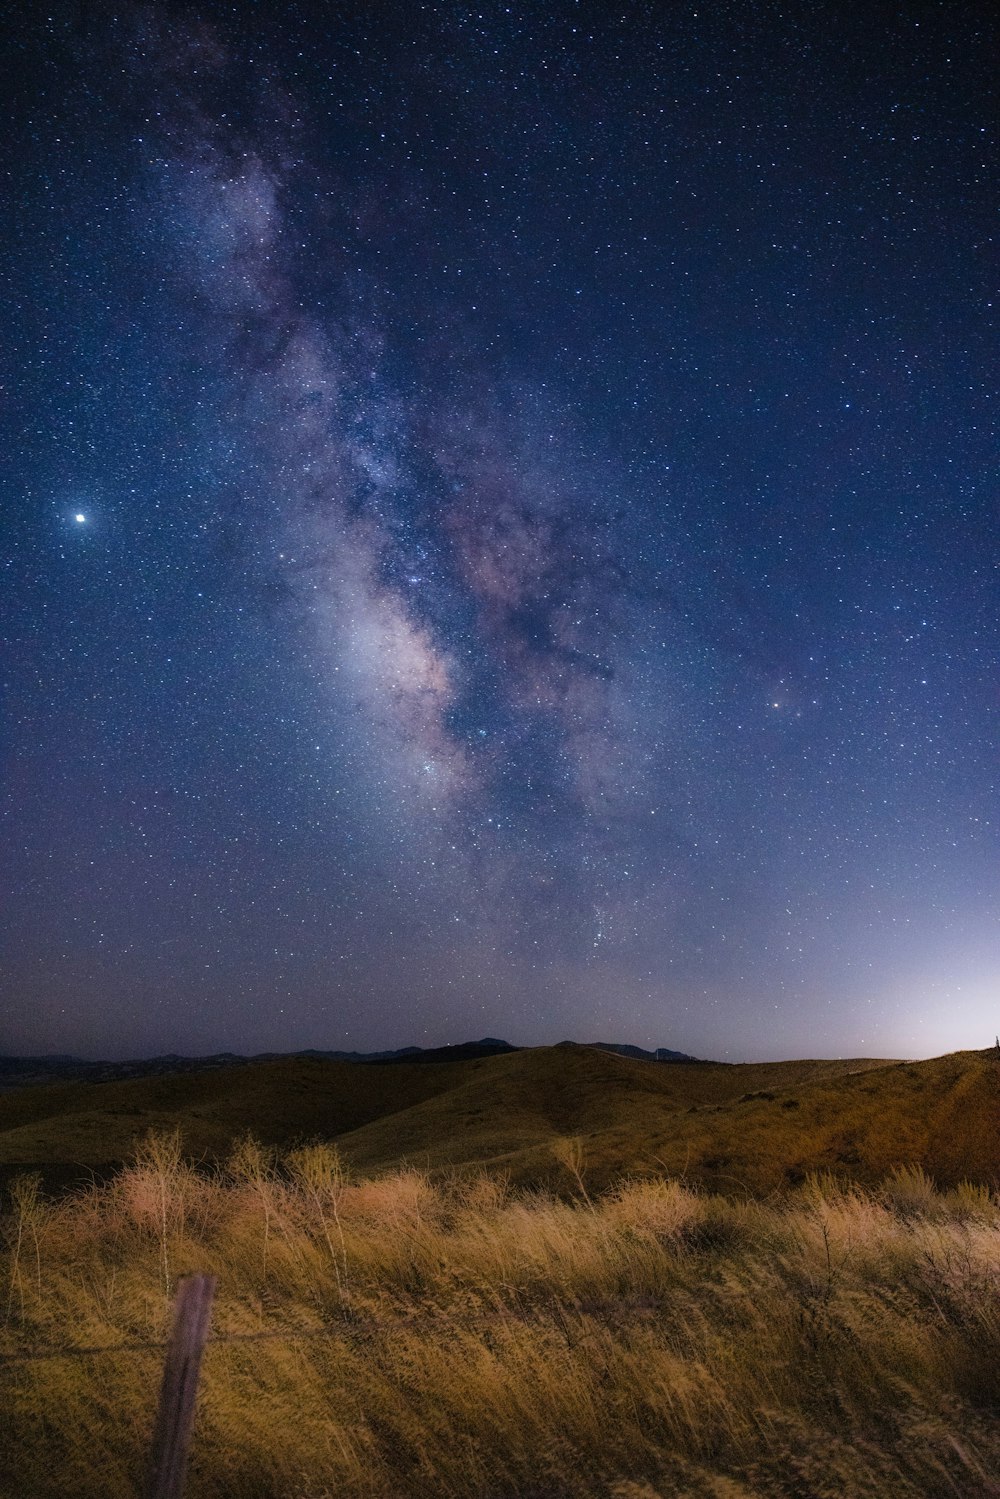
80, 519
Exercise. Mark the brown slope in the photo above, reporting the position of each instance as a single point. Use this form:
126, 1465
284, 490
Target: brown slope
95, 1124
287, 1097
942, 1115
855, 1120
512, 1110
519, 1102
760, 1125
503, 1103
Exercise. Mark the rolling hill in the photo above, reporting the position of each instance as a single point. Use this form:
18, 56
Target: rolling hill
754, 1126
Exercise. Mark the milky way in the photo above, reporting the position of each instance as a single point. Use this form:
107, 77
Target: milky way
501, 538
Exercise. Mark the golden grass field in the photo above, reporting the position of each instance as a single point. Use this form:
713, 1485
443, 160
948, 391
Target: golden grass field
747, 1299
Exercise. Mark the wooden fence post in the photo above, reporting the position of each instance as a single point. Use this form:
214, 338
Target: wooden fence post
175, 1414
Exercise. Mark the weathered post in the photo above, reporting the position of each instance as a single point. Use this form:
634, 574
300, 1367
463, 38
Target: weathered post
175, 1414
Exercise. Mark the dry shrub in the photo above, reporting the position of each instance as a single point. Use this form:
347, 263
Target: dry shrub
972, 1202
910, 1192
23, 1233
480, 1194
401, 1200
663, 1210
159, 1191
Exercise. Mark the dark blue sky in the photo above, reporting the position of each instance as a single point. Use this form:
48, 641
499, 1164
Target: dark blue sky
499, 526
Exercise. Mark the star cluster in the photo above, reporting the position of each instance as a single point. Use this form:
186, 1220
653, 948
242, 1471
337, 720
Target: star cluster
501, 536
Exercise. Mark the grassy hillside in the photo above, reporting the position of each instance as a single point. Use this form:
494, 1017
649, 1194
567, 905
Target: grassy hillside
403, 1338
97, 1125
553, 1273
759, 1126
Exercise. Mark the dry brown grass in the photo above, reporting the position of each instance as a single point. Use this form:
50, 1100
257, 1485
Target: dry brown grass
763, 1126
462, 1338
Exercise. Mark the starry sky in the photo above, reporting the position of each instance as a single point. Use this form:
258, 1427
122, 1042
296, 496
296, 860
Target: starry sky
499, 527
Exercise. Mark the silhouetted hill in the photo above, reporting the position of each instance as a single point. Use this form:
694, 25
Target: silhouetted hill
465, 1051
28, 1072
32, 1072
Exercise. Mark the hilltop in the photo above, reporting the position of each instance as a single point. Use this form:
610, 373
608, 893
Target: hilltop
760, 1126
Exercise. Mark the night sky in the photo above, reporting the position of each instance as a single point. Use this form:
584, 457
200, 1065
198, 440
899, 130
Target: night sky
499, 528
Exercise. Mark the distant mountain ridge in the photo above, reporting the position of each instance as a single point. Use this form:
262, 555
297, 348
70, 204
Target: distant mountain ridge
29, 1072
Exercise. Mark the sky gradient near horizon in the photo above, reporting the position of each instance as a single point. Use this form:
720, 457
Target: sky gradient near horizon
500, 528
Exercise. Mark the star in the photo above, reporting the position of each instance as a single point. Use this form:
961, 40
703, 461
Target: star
445, 567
